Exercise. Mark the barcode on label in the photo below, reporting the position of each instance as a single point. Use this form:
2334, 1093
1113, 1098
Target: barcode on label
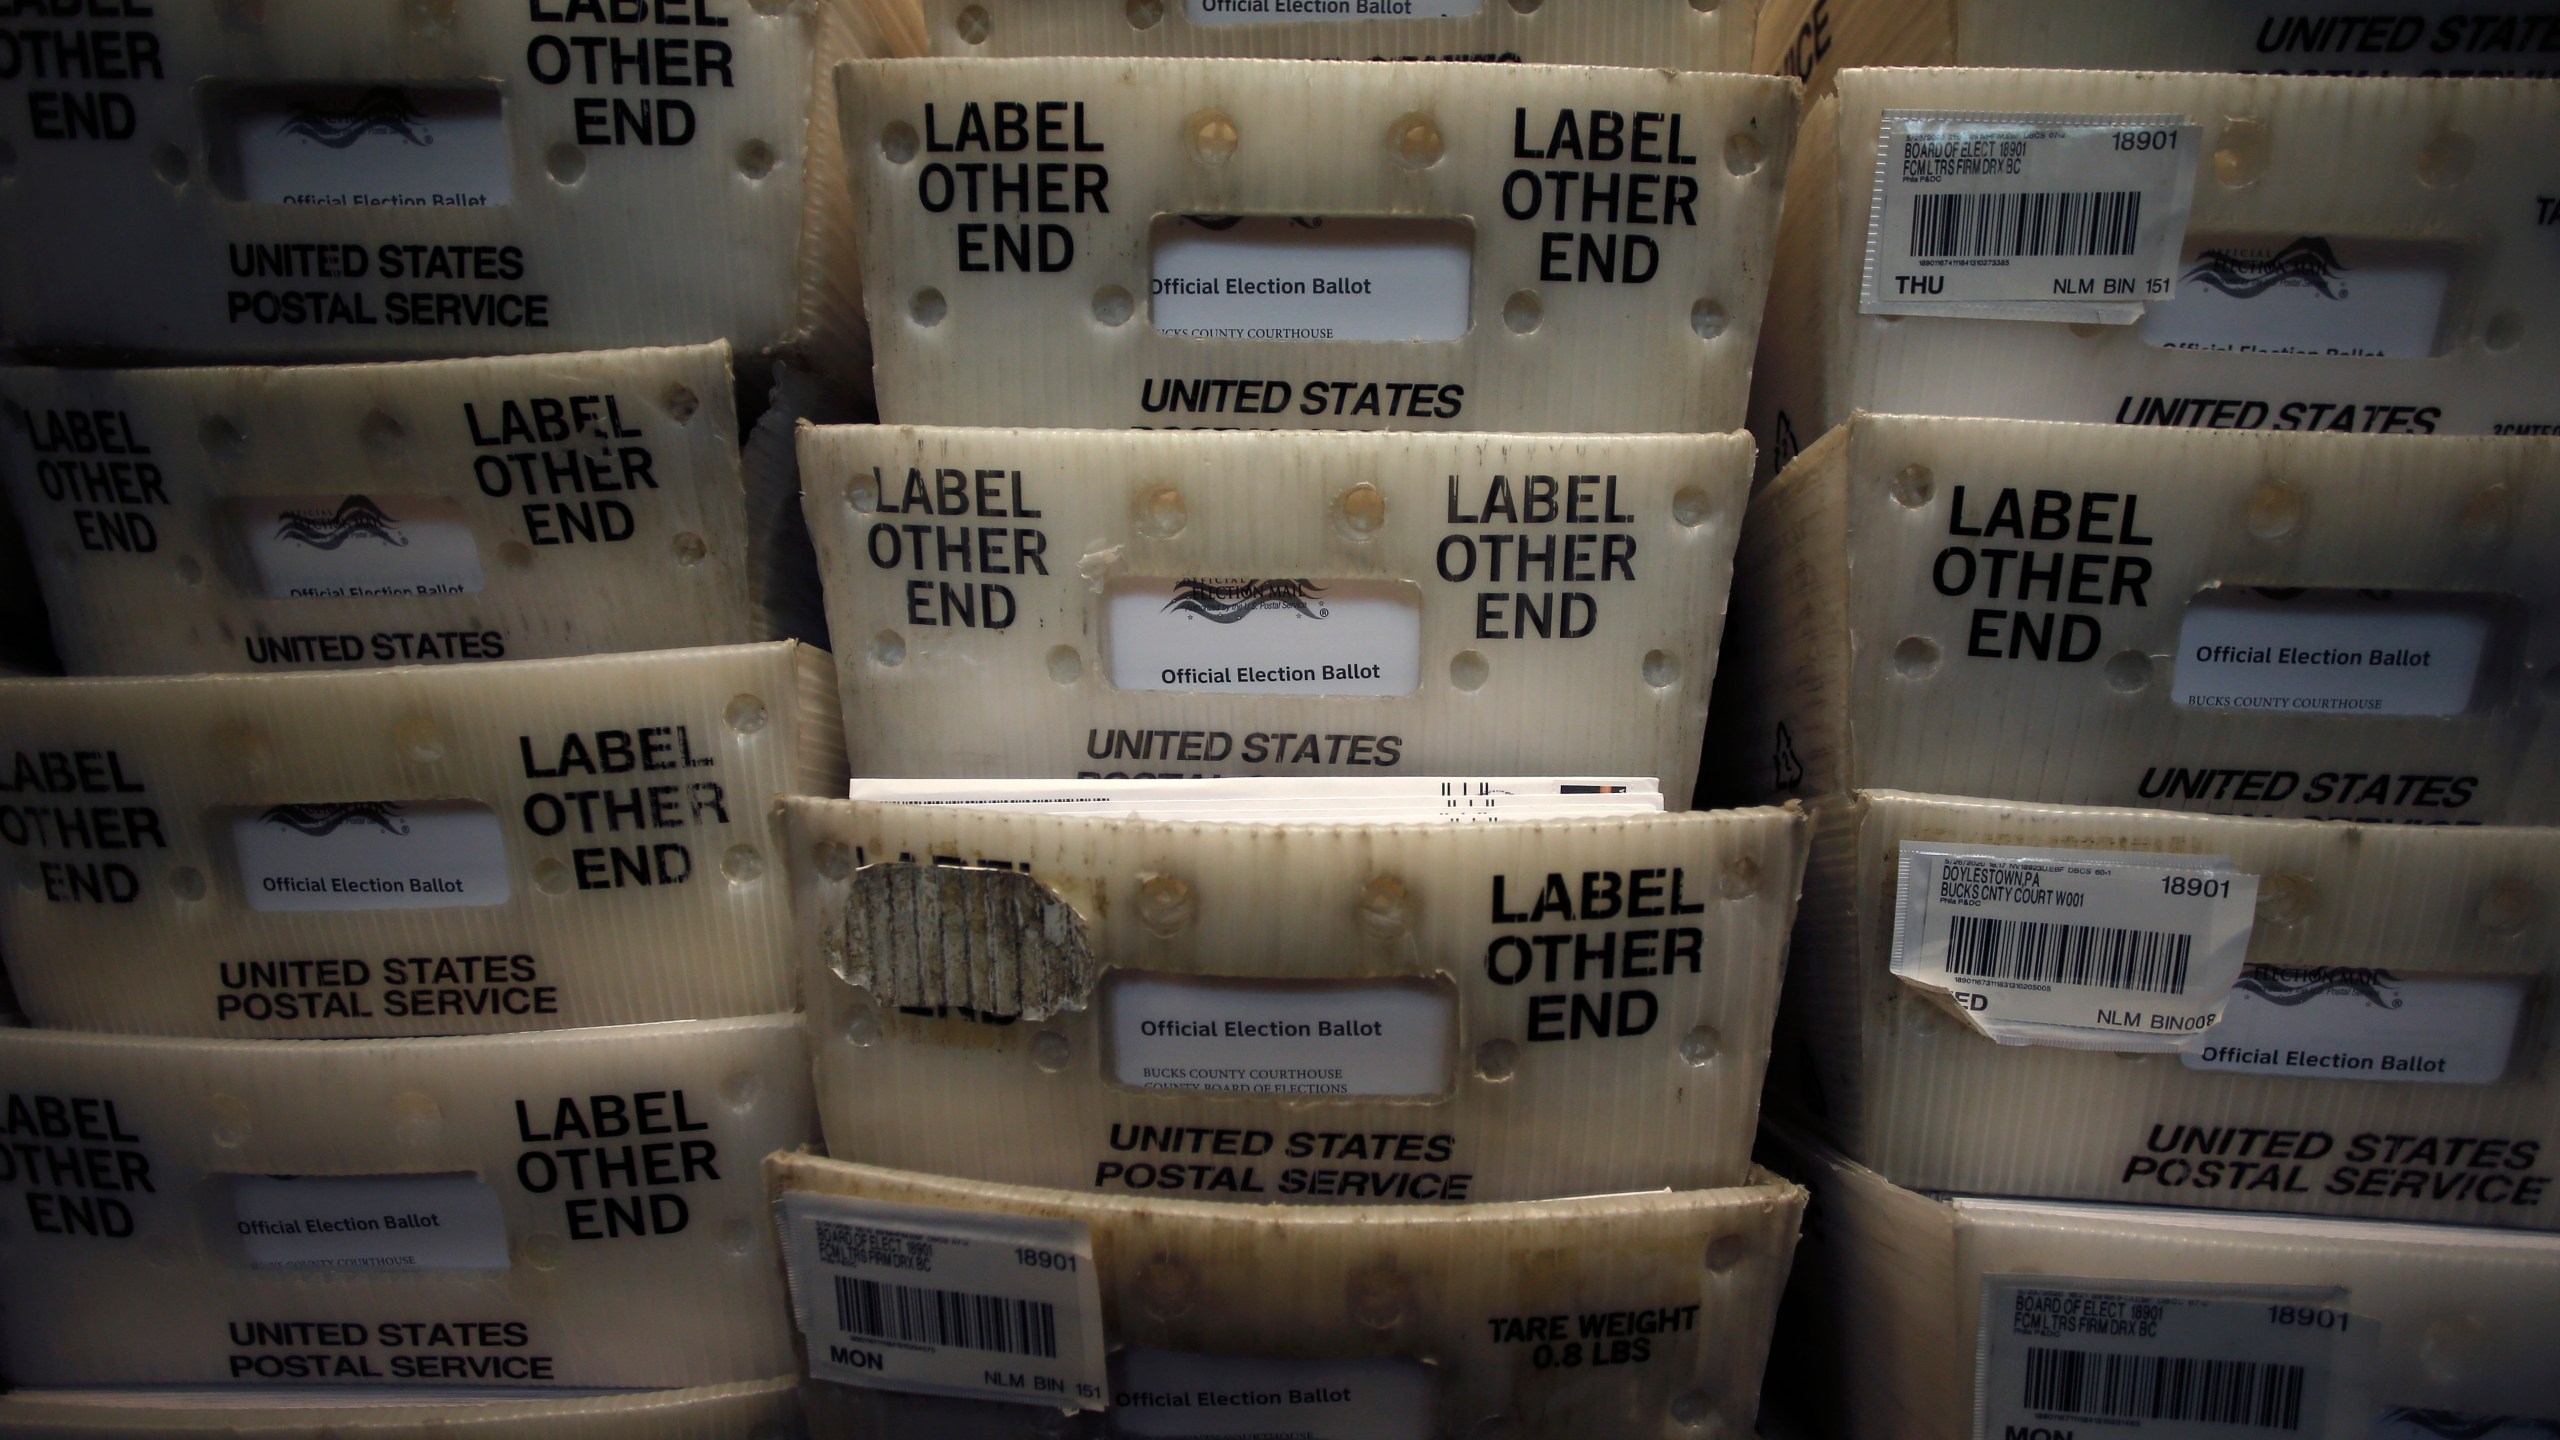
2112, 957
946, 1319
2029, 223
2100, 1386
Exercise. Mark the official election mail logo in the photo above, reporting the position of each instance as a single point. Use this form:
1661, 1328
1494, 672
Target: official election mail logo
371, 855
2307, 263
381, 110
320, 821
1225, 602
357, 517
2292, 987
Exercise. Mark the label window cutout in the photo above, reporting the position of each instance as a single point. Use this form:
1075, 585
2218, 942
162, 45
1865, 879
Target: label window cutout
369, 1222
2336, 652
361, 145
1317, 1039
371, 855
2306, 295
977, 1305
1266, 636
2028, 217
1230, 277
2339, 1023
351, 547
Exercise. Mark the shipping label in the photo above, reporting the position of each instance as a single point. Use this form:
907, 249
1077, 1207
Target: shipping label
976, 1305
2088, 949
2028, 217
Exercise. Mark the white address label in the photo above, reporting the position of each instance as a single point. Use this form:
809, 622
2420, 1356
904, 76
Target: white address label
2336, 1023
2028, 217
1262, 277
1273, 12
371, 855
1178, 1395
1310, 1039
2165, 1363
973, 1304
2329, 652
1264, 636
351, 547
2083, 948
369, 1222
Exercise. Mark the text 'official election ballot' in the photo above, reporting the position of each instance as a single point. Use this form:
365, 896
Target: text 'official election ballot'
1267, 244
1064, 603
2330, 626
576, 1210
1649, 33
1814, 39
2142, 1007
741, 1410
2212, 252
472, 177
1920, 1316
1629, 1314
531, 845
344, 515
1311, 1013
